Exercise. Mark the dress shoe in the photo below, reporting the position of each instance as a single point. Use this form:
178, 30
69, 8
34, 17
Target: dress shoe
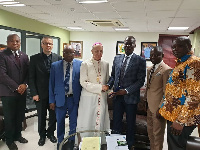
41, 141
52, 138
22, 140
12, 146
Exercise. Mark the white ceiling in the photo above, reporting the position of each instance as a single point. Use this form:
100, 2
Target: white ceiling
138, 15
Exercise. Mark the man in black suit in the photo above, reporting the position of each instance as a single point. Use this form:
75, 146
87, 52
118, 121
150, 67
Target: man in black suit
13, 83
39, 72
127, 77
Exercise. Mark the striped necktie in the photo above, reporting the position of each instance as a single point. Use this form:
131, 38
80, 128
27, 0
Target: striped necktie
151, 72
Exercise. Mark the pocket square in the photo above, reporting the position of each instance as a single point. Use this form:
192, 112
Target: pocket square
158, 74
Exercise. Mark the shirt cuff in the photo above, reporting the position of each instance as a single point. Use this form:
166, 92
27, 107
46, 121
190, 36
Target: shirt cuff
126, 91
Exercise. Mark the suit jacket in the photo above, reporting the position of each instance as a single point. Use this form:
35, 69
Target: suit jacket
134, 76
39, 76
156, 88
11, 75
56, 83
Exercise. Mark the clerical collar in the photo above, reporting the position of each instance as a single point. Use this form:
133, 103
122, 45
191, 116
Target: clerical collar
46, 54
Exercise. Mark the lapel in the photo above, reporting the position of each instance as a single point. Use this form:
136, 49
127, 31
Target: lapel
121, 58
130, 64
74, 69
54, 58
60, 70
41, 62
155, 72
10, 54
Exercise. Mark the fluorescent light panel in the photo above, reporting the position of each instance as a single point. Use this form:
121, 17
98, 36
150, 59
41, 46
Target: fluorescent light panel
178, 28
14, 5
6, 0
75, 28
122, 29
8, 3
91, 1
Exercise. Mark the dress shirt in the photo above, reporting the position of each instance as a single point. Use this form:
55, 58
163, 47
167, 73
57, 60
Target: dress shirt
70, 79
128, 60
156, 66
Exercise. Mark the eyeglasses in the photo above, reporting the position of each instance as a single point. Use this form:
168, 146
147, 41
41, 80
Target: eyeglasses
68, 53
48, 44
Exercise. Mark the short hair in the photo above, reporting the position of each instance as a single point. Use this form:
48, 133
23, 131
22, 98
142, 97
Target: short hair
11, 35
184, 39
130, 37
46, 37
159, 48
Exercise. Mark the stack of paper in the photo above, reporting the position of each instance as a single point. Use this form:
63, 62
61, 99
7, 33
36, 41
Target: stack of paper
91, 143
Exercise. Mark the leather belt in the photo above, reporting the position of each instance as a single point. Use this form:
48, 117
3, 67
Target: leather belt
69, 95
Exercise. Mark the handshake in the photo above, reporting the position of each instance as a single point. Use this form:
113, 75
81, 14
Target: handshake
105, 88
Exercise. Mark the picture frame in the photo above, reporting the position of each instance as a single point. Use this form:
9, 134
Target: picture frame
65, 44
120, 48
78, 47
146, 49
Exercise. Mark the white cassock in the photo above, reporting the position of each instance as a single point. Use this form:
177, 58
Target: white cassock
93, 106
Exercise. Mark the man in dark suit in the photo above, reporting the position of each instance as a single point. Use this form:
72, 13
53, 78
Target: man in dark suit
65, 91
39, 72
127, 76
13, 83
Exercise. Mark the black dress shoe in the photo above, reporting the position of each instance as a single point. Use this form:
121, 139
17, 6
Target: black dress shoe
22, 140
12, 146
52, 138
41, 141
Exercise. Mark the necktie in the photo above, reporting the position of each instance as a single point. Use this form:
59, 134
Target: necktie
48, 63
17, 59
123, 71
151, 72
67, 76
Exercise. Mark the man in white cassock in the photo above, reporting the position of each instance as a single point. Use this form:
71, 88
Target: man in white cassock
93, 107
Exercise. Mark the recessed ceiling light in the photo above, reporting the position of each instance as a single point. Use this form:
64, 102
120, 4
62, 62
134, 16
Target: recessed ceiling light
75, 28
122, 29
91, 1
8, 3
178, 28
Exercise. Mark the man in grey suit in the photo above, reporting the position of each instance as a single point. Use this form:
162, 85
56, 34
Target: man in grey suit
127, 76
13, 83
39, 72
157, 77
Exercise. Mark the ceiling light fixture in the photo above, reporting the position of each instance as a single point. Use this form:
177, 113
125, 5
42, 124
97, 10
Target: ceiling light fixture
8, 3
122, 29
14, 5
75, 28
178, 28
6, 0
91, 1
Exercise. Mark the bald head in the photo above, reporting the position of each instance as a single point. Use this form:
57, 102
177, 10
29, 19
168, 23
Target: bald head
156, 54
13, 42
68, 53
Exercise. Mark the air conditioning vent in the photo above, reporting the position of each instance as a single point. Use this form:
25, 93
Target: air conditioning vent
106, 23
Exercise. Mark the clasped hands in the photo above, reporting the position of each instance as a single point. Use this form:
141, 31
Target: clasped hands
120, 92
21, 88
105, 88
